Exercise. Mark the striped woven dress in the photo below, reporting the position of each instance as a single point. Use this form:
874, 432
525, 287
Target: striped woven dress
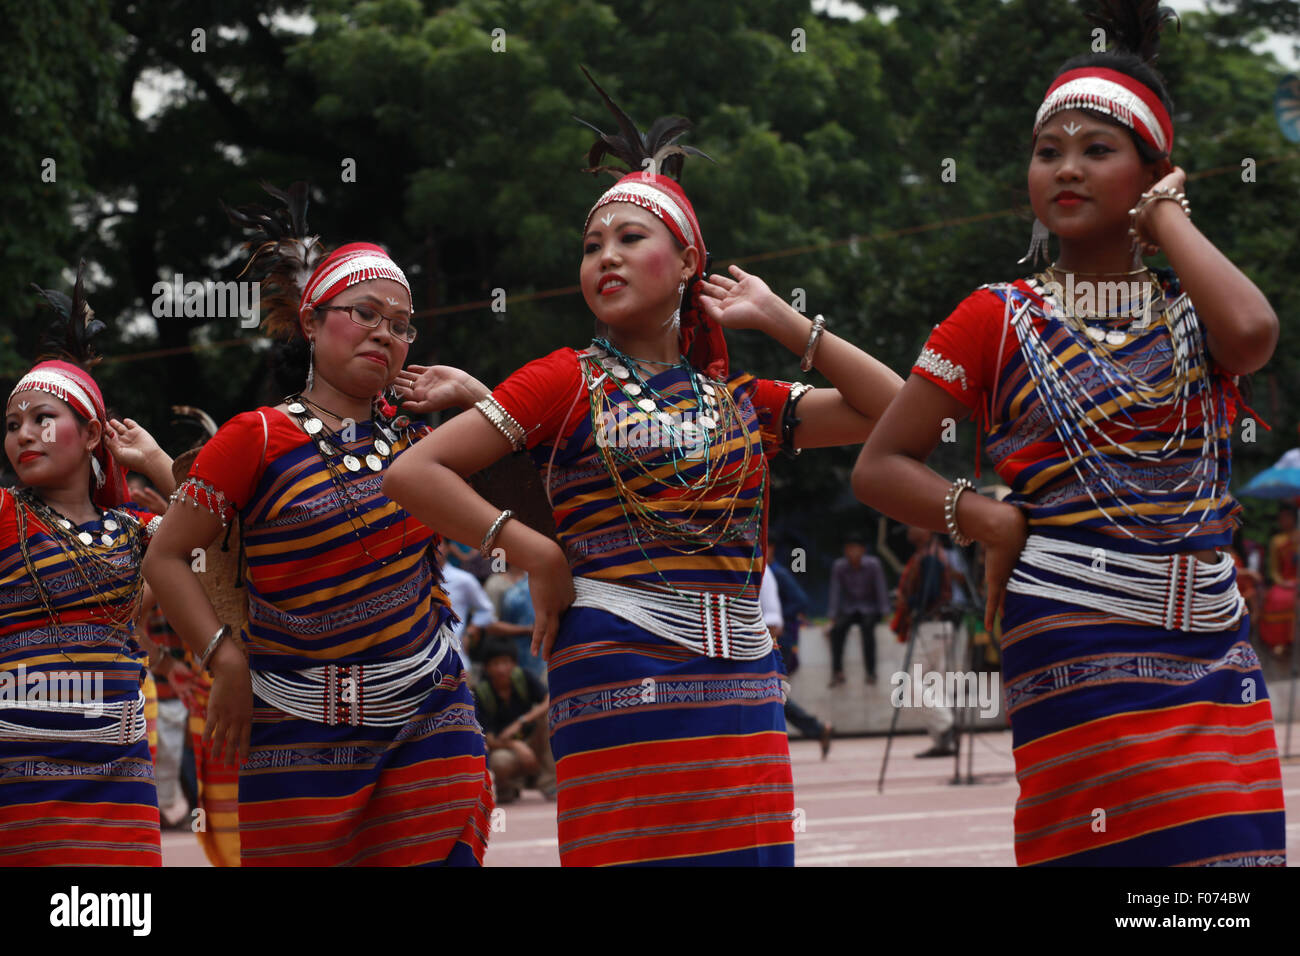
71, 801
1136, 743
352, 589
664, 756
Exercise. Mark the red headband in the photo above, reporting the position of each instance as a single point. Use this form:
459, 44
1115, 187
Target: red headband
1115, 94
702, 340
345, 267
78, 389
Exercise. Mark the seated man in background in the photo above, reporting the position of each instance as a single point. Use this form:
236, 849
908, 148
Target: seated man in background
512, 706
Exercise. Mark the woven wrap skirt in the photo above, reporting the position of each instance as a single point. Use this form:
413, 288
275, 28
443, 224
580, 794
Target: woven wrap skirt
665, 757
1136, 745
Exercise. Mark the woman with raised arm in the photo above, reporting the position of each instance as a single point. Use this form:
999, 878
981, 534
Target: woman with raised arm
76, 777
343, 697
666, 699
1143, 733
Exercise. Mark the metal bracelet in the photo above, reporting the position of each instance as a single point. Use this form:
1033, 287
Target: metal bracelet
1149, 197
950, 511
486, 547
818, 324
503, 420
208, 651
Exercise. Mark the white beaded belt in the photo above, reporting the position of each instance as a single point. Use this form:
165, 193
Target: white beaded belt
123, 721
1169, 591
712, 625
362, 695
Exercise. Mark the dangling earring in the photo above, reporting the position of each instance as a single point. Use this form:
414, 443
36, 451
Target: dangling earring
676, 318
1037, 243
311, 366
99, 472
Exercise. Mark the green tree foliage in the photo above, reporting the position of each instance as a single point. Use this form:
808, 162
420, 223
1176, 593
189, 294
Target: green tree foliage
59, 62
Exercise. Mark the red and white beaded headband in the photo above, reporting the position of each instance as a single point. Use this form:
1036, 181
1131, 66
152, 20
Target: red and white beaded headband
347, 266
1115, 94
63, 387
649, 196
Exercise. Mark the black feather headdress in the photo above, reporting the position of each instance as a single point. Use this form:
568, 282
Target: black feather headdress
656, 151
282, 256
1134, 25
68, 336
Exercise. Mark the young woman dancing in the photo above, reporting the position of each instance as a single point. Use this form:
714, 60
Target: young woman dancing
343, 697
1143, 733
666, 701
76, 778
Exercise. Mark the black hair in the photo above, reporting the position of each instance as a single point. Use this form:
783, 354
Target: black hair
1134, 27
500, 647
289, 365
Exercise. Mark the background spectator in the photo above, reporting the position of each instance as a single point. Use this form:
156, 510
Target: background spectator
511, 705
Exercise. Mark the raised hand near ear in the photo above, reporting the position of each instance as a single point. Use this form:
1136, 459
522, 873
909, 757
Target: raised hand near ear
431, 388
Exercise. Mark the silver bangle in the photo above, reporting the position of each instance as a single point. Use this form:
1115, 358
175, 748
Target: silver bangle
950, 511
491, 536
818, 324
503, 420
212, 646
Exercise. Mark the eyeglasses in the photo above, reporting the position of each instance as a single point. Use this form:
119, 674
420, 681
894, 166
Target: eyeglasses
368, 318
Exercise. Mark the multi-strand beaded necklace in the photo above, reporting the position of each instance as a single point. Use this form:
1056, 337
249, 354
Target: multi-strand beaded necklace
94, 568
1077, 418
703, 478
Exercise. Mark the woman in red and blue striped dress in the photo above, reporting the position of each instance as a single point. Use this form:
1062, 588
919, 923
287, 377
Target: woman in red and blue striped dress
666, 695
350, 714
76, 777
1142, 728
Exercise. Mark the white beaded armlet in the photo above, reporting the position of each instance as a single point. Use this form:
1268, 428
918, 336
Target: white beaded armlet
504, 422
934, 363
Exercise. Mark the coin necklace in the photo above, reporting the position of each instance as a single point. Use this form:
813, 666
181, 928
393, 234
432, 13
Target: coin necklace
719, 413
328, 444
1110, 336
708, 425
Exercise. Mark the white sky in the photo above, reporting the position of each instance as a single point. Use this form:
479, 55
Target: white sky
1279, 46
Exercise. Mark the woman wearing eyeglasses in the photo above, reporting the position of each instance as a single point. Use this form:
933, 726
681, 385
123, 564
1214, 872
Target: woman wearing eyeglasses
342, 695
